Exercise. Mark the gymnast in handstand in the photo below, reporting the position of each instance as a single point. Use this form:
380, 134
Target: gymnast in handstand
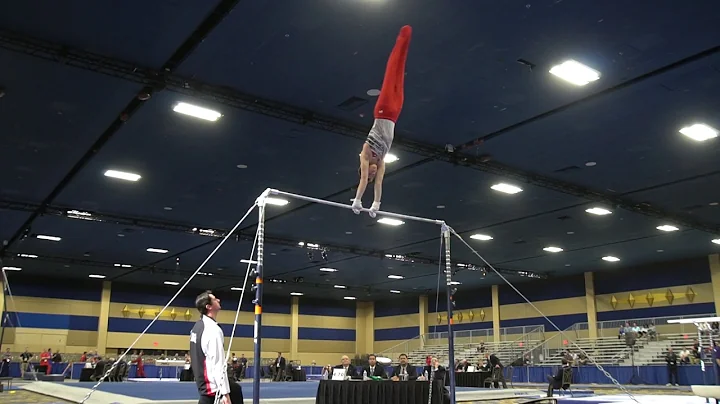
387, 110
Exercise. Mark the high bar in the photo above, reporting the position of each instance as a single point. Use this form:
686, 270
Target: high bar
346, 206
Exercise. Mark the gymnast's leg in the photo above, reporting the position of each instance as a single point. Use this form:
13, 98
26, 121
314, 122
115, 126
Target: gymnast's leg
390, 101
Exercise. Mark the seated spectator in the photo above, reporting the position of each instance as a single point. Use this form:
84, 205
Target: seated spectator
685, 356
652, 332
556, 382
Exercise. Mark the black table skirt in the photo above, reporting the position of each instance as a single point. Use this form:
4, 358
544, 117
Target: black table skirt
298, 375
187, 375
85, 374
471, 379
377, 392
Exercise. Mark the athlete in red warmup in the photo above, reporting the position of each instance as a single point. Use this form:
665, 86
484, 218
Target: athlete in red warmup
140, 371
387, 110
45, 361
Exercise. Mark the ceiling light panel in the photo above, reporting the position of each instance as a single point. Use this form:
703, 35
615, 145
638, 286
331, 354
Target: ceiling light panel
506, 188
699, 132
575, 73
197, 112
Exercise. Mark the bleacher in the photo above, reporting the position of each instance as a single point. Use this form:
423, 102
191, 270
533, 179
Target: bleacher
506, 351
604, 350
655, 352
607, 349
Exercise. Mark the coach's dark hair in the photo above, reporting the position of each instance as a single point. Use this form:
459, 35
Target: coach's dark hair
202, 301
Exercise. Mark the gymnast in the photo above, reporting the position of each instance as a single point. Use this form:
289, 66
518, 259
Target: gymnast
386, 112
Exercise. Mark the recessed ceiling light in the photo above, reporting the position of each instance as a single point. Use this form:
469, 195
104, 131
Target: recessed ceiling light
295, 294
716, 241
328, 269
660, 251
167, 208
390, 221
590, 164
396, 277
567, 265
251, 262
197, 112
455, 283
373, 92
482, 237
121, 175
276, 201
440, 206
96, 276
506, 188
236, 288
394, 291
157, 250
575, 73
553, 249
699, 132
667, 227
571, 232
11, 269
123, 265
241, 166
610, 258
340, 287
120, 235
390, 158
349, 298
348, 232
598, 211
48, 238
27, 256
171, 283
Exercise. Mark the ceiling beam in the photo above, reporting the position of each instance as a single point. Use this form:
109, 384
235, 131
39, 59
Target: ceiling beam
160, 79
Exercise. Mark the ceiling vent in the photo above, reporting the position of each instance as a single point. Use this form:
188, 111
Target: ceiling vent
567, 169
352, 103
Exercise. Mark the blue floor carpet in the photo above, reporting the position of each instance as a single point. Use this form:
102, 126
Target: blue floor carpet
186, 391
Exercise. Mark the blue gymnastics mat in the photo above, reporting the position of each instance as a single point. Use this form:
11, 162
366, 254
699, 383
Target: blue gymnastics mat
188, 390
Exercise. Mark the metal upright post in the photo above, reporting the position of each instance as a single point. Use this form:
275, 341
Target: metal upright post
257, 338
451, 337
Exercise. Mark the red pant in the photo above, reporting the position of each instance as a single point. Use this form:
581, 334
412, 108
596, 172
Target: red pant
390, 101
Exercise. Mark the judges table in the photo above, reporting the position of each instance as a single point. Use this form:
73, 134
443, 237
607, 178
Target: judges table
169, 364
470, 379
378, 392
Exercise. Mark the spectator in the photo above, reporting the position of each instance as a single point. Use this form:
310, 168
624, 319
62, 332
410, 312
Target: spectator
672, 361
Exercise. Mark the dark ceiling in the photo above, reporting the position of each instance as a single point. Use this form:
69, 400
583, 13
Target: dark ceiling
291, 83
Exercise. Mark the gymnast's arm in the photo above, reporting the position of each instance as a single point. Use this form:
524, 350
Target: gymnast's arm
379, 181
364, 168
